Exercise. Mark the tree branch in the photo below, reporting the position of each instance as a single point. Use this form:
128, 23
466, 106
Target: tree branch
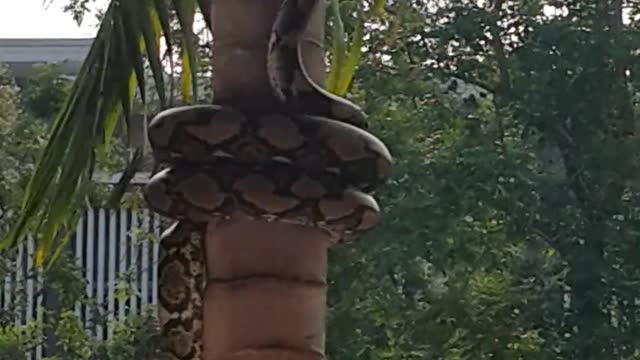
504, 81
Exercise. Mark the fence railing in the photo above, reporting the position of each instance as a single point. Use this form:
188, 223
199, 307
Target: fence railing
114, 249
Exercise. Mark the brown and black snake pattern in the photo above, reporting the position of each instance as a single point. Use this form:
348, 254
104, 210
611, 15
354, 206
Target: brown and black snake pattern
181, 276
310, 163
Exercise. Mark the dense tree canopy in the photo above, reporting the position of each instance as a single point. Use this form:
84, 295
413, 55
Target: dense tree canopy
511, 226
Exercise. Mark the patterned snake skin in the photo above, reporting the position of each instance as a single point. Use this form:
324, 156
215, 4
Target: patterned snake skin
310, 163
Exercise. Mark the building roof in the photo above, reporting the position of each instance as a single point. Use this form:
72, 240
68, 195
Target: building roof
21, 54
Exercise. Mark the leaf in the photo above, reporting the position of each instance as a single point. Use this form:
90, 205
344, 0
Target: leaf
134, 40
186, 10
162, 11
185, 77
151, 37
344, 63
103, 88
338, 50
127, 175
351, 62
60, 208
38, 202
125, 81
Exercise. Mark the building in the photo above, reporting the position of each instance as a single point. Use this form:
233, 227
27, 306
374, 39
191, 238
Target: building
22, 54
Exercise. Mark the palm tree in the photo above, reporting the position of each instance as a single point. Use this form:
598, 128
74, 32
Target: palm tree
266, 288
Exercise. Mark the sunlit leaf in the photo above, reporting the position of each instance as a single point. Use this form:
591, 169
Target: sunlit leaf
344, 63
185, 10
348, 66
338, 50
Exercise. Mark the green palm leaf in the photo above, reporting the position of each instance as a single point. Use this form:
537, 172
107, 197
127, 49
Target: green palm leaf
102, 92
186, 10
345, 61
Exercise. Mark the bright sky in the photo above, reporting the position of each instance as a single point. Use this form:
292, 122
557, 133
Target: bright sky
30, 19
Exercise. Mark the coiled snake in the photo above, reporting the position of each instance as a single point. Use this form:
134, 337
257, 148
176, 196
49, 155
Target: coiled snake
309, 163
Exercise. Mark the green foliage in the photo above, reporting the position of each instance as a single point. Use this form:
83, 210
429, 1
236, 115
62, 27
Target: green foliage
510, 228
136, 337
77, 8
25, 116
16, 341
344, 61
21, 139
45, 91
444, 263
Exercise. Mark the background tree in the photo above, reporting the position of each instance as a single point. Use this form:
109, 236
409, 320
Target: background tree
44, 91
545, 167
19, 144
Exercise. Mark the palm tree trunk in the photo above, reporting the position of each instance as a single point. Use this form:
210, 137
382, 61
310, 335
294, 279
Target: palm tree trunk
266, 292
241, 30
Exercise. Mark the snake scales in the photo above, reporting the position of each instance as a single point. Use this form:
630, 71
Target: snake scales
308, 163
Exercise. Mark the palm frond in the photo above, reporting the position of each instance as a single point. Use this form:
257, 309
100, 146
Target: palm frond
186, 10
345, 61
127, 175
103, 90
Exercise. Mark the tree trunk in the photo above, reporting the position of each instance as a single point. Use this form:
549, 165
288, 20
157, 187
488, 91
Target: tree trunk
266, 290
241, 30
266, 293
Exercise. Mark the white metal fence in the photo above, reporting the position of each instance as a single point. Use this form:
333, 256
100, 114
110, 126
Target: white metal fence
114, 249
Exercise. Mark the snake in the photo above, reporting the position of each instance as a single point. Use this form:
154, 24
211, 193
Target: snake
310, 162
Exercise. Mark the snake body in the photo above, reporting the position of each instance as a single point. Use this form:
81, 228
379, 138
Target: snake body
290, 81
181, 277
309, 163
